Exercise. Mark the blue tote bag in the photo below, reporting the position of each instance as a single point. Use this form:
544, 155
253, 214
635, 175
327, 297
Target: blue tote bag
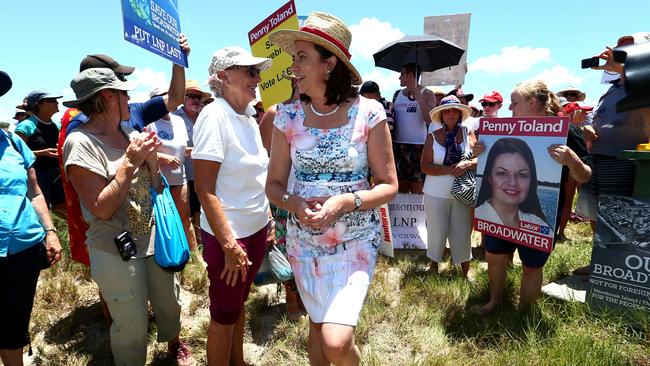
171, 251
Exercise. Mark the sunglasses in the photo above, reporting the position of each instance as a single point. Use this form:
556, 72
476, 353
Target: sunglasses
194, 96
252, 70
49, 101
491, 104
570, 95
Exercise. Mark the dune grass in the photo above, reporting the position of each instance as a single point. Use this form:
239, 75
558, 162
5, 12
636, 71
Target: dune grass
411, 317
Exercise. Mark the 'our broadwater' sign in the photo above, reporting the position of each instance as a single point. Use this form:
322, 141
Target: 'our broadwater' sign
155, 26
273, 88
620, 260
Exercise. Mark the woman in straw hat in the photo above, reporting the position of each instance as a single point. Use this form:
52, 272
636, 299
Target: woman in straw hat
442, 160
230, 165
333, 138
112, 168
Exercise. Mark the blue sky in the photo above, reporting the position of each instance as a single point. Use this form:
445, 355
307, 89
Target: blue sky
508, 42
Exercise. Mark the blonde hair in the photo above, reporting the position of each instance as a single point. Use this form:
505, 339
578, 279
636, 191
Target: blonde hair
539, 90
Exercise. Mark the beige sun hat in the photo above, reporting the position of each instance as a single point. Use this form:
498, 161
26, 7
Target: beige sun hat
90, 81
194, 85
572, 89
324, 30
449, 102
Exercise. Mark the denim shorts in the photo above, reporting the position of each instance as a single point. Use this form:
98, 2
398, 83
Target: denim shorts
529, 257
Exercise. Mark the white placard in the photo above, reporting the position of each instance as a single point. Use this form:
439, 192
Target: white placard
408, 221
454, 28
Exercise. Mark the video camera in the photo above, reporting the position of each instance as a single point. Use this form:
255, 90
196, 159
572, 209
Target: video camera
636, 67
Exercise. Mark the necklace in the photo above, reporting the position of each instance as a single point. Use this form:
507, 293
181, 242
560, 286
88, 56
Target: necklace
323, 114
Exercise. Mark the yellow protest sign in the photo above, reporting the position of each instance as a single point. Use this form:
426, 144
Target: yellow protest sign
273, 88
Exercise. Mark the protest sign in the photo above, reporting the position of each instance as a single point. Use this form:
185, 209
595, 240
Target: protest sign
386, 244
620, 260
155, 26
273, 87
517, 181
454, 28
408, 221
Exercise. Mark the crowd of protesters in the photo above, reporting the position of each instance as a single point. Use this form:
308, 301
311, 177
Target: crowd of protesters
307, 175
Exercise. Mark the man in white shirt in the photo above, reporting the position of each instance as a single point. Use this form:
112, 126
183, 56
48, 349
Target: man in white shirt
411, 107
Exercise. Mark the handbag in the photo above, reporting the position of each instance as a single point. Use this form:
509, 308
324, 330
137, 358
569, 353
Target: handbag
464, 186
171, 251
275, 268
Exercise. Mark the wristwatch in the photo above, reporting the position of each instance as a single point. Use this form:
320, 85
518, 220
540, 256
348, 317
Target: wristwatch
357, 201
50, 228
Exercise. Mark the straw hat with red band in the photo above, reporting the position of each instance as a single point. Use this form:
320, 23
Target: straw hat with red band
324, 30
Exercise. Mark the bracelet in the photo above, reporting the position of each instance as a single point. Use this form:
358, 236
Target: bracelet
50, 228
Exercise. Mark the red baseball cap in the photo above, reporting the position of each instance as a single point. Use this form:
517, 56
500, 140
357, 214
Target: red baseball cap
492, 96
574, 106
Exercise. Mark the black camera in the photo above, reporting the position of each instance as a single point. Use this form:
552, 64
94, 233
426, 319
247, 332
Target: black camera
125, 245
637, 76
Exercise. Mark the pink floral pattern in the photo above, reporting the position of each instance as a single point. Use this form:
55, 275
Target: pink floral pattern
328, 162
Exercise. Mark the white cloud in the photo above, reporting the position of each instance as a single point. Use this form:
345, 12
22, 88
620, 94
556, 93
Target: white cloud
387, 80
511, 59
7, 115
558, 76
370, 35
146, 79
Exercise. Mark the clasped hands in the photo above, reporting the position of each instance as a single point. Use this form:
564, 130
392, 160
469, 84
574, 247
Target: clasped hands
320, 212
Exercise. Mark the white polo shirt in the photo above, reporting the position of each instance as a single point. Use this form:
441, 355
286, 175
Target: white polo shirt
232, 139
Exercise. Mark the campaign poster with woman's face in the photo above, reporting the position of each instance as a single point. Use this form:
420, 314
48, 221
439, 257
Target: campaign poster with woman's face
518, 182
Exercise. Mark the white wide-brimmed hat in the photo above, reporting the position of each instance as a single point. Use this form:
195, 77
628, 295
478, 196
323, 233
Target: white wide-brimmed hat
91, 81
324, 30
449, 102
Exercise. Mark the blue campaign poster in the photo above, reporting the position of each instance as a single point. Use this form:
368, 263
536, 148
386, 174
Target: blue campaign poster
155, 26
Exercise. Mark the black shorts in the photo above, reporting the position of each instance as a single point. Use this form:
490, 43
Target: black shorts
529, 257
195, 205
18, 277
407, 162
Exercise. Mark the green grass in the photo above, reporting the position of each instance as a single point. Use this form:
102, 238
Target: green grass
411, 317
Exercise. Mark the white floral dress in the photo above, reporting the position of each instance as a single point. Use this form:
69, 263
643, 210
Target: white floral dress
332, 266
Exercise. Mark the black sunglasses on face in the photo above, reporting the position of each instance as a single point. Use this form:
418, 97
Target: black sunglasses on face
252, 70
570, 95
491, 104
194, 96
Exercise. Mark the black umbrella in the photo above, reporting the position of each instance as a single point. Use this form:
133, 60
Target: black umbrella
429, 52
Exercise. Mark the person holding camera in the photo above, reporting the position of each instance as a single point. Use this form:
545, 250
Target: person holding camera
28, 241
611, 132
112, 167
